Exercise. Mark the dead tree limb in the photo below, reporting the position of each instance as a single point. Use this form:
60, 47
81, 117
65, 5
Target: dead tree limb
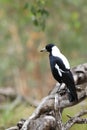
48, 115
10, 93
76, 119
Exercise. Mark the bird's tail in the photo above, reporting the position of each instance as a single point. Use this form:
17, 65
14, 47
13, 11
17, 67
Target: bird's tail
72, 90
72, 98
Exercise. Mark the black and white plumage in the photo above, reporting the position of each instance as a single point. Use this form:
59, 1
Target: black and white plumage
61, 69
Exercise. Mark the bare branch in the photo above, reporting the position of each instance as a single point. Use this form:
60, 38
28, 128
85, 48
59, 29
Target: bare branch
8, 92
13, 128
76, 119
49, 110
58, 113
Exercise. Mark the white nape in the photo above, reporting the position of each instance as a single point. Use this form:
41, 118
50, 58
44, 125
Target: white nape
56, 52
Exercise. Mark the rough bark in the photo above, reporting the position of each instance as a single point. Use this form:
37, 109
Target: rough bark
48, 115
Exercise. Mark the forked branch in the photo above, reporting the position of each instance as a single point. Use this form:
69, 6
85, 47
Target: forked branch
48, 115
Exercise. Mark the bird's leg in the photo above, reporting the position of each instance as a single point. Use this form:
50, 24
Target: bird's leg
59, 88
62, 89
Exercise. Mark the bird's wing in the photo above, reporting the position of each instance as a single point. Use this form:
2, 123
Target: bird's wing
60, 66
59, 70
64, 60
66, 77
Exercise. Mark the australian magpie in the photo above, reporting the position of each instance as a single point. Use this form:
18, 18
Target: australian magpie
61, 70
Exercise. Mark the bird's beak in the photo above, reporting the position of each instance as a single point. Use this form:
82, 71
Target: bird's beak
43, 50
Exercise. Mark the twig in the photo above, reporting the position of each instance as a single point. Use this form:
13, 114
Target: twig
13, 128
8, 92
76, 119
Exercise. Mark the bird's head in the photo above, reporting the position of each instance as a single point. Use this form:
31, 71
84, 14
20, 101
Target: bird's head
51, 48
48, 48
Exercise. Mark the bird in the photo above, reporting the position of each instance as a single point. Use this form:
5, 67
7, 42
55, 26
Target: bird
60, 69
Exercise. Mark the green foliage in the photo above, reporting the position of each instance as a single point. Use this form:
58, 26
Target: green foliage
39, 13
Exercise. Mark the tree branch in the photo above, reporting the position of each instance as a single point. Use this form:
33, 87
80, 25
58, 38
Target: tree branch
76, 119
49, 110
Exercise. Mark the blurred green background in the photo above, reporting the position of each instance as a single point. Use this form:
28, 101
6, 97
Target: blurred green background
26, 26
